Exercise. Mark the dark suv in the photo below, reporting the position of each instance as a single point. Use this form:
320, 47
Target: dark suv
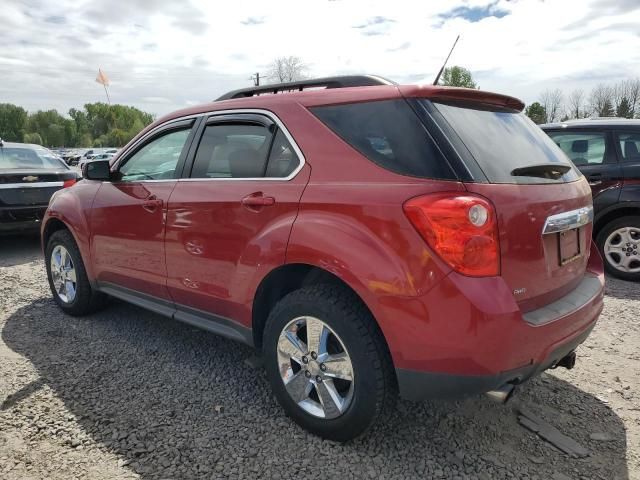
607, 151
366, 237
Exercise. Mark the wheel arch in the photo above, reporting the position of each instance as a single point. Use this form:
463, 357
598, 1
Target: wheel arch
290, 277
611, 214
52, 224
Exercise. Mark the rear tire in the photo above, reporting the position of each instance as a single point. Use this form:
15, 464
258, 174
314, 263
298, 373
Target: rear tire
619, 245
67, 276
350, 382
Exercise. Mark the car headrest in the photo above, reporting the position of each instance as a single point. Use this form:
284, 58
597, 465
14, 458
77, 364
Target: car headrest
580, 146
630, 149
246, 163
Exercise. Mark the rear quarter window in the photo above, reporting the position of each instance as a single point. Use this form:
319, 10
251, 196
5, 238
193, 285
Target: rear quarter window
629, 146
390, 134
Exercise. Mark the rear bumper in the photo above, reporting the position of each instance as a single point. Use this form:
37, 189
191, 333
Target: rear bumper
468, 335
416, 385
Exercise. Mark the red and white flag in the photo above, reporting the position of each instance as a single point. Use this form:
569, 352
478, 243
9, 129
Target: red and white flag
102, 78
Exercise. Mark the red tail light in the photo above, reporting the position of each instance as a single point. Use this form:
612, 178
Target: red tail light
462, 229
68, 183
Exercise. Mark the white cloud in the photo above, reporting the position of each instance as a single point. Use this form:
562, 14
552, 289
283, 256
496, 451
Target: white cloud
162, 55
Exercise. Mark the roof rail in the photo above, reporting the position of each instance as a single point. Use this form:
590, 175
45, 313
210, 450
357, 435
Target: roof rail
328, 82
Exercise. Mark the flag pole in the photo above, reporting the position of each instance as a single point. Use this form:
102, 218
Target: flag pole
107, 92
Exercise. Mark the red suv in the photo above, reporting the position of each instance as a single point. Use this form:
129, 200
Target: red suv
367, 238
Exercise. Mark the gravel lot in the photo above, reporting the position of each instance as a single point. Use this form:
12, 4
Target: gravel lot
129, 394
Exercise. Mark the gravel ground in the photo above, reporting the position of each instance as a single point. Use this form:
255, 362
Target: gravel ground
128, 394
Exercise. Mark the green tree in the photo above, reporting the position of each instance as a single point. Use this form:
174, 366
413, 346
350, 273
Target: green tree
117, 137
85, 140
536, 112
457, 77
70, 133
101, 141
32, 138
50, 125
136, 128
97, 124
624, 109
79, 117
105, 119
606, 110
13, 121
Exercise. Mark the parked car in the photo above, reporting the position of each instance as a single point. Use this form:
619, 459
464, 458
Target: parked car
607, 153
367, 238
29, 175
71, 157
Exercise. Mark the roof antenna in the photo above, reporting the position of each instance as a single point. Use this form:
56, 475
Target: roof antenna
435, 82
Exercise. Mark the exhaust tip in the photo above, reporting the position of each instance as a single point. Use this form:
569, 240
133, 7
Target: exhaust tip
502, 394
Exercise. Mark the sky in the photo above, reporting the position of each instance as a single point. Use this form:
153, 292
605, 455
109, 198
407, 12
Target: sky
161, 55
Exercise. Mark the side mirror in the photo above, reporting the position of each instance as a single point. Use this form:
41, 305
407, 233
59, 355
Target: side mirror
97, 170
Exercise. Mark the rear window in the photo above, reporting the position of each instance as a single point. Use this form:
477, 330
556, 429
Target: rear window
28, 158
506, 144
390, 134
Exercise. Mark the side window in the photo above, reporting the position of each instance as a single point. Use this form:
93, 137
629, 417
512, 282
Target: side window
157, 160
388, 133
232, 151
282, 159
629, 146
586, 148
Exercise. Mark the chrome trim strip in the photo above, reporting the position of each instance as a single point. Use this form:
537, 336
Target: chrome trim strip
4, 186
267, 113
139, 181
568, 220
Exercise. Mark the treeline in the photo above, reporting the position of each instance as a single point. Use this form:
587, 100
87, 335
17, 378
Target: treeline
96, 125
620, 99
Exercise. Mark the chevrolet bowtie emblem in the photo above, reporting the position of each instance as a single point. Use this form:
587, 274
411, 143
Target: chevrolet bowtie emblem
29, 178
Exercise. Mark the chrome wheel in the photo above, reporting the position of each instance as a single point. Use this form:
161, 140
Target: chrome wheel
315, 367
63, 274
621, 249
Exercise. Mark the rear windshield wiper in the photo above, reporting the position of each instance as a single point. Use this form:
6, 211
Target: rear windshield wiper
551, 171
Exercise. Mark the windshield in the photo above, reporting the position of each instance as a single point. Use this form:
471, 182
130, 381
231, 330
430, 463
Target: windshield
28, 158
506, 144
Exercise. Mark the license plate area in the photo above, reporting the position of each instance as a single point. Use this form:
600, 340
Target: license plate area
569, 248
30, 196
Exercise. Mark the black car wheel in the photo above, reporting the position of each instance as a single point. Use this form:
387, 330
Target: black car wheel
67, 276
327, 362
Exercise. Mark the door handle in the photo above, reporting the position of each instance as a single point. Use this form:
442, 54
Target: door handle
257, 200
152, 203
594, 179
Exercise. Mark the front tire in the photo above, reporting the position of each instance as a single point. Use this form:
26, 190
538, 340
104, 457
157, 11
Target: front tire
327, 362
67, 276
619, 245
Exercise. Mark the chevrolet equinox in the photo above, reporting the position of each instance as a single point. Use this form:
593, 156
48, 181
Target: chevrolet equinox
367, 238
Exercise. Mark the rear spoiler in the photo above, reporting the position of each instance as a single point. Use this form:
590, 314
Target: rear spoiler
453, 94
